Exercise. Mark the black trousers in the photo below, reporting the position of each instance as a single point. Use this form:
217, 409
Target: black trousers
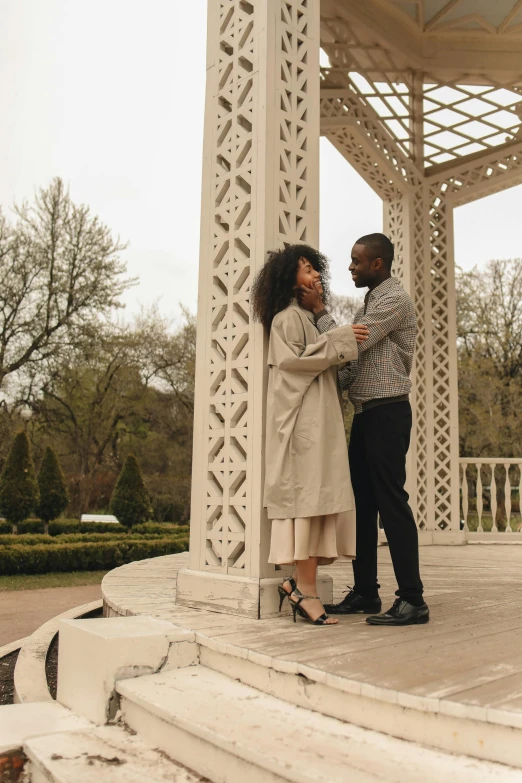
379, 441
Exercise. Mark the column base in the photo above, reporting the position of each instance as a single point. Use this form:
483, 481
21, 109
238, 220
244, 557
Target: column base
449, 537
239, 595
434, 538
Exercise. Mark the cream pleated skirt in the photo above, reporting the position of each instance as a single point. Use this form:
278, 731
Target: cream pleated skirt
328, 538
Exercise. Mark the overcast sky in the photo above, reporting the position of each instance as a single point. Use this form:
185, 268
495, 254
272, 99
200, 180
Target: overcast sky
108, 95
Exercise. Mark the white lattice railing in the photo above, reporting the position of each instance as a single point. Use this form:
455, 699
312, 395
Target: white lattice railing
490, 492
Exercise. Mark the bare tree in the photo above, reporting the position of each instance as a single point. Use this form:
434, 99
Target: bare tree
120, 382
167, 355
85, 396
489, 315
343, 308
59, 268
489, 330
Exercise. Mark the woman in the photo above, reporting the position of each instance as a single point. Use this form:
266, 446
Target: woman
308, 492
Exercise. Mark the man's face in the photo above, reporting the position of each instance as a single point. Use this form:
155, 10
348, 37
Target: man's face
364, 268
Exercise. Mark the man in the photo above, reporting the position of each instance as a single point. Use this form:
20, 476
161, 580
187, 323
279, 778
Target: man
379, 385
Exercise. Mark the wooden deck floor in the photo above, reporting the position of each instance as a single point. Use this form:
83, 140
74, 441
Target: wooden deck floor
470, 652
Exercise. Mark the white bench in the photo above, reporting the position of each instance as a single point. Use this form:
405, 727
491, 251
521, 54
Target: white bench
106, 518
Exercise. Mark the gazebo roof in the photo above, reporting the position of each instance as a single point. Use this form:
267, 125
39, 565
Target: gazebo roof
443, 17
443, 76
442, 36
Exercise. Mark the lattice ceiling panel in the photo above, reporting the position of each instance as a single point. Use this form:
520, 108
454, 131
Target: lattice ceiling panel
464, 119
373, 72
392, 103
457, 118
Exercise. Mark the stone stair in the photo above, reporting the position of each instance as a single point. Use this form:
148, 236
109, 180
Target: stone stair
229, 731
109, 754
189, 710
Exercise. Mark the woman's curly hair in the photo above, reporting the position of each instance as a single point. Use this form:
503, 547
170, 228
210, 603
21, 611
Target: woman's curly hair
273, 287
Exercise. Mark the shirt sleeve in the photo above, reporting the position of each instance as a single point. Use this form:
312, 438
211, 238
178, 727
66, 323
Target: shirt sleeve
346, 375
325, 322
299, 364
387, 315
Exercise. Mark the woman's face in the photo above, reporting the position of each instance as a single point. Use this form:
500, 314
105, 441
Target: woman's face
308, 276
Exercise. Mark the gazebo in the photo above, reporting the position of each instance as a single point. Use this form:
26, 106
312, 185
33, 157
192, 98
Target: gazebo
421, 97
424, 99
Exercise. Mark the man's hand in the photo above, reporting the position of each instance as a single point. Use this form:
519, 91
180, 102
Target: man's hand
310, 299
361, 332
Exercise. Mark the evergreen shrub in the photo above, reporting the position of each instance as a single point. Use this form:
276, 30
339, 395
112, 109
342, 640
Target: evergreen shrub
18, 486
54, 497
130, 502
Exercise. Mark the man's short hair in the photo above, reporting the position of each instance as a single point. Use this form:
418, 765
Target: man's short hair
380, 247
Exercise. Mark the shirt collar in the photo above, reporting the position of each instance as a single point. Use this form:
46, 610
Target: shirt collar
308, 313
383, 288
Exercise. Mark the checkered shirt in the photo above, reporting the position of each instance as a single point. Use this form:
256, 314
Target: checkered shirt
385, 358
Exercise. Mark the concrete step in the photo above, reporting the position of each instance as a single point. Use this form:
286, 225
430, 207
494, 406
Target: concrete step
484, 733
19, 722
230, 732
110, 754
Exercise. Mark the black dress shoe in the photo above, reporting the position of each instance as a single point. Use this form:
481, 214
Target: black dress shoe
353, 603
402, 613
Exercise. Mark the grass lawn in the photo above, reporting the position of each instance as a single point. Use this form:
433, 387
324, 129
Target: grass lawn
35, 581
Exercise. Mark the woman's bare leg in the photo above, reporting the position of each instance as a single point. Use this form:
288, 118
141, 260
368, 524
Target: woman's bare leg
286, 584
307, 585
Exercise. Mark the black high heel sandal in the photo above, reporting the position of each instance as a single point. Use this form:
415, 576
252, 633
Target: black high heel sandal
298, 609
283, 593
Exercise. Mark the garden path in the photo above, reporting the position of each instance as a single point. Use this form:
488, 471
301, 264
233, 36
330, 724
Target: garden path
23, 611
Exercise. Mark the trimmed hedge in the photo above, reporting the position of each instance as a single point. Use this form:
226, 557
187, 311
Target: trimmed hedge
103, 555
32, 539
160, 527
79, 538
60, 526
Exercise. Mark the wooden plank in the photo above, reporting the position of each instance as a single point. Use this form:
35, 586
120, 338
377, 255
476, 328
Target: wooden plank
412, 668
464, 654
499, 691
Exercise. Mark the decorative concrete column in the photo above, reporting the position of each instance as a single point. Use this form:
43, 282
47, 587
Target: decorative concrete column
444, 518
420, 223
447, 186
260, 191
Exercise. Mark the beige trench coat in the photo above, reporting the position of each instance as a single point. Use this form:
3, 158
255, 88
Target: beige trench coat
307, 472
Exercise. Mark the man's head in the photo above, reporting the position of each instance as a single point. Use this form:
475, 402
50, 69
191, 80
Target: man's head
372, 258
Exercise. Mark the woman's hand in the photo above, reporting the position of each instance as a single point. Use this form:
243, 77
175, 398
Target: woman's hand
361, 332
